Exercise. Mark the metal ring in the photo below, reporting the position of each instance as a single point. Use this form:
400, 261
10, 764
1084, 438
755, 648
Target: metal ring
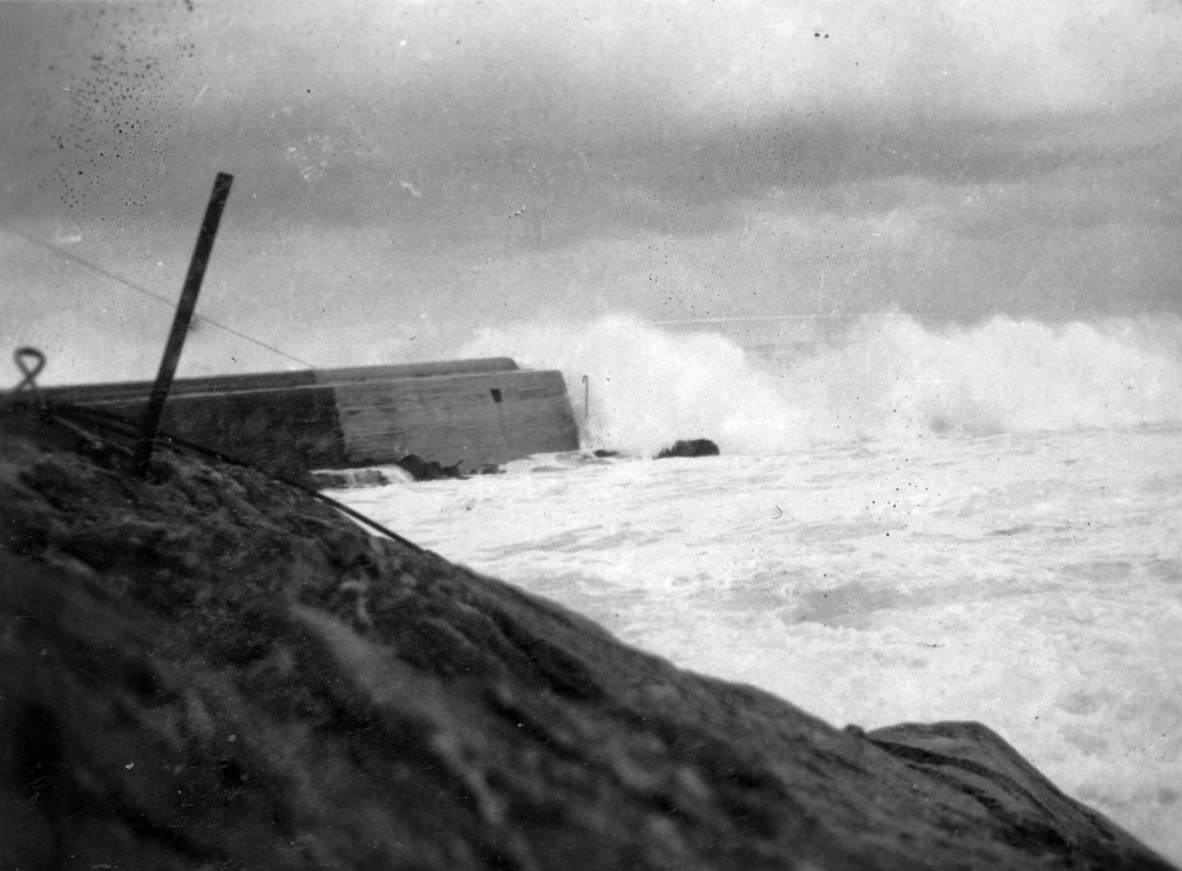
30, 361
22, 357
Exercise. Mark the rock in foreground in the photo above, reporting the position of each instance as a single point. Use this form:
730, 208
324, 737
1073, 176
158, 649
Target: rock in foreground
210, 669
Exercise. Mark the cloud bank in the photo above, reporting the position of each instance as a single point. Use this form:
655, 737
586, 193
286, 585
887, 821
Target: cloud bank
676, 159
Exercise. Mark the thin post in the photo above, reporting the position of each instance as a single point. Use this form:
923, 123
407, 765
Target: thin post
586, 397
180, 322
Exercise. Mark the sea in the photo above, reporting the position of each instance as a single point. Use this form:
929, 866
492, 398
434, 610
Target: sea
906, 523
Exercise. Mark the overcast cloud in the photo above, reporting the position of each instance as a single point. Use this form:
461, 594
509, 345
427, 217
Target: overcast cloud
408, 171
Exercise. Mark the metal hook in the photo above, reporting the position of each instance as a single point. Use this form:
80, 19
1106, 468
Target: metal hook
21, 357
30, 361
30, 370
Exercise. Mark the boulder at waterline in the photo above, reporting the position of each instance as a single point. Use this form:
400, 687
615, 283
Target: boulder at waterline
689, 448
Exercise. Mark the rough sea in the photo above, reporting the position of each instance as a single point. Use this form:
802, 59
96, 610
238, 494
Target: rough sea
905, 524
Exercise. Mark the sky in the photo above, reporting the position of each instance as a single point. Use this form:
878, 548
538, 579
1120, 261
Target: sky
409, 171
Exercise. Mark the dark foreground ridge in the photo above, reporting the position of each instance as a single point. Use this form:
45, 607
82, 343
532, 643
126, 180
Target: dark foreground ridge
209, 669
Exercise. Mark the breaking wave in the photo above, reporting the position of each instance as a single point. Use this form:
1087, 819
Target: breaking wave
636, 386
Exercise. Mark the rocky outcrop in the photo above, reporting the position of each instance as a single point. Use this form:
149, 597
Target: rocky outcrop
209, 669
689, 448
414, 467
348, 479
428, 470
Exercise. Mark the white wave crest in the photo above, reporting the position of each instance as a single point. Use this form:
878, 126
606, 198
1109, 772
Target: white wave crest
885, 376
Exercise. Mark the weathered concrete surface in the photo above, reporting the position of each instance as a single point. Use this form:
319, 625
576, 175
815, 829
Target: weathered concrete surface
466, 413
211, 670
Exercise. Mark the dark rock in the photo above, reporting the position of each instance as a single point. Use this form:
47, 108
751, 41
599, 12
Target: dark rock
690, 448
254, 682
428, 470
603, 454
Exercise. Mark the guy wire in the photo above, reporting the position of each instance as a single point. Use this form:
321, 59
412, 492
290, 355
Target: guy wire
82, 261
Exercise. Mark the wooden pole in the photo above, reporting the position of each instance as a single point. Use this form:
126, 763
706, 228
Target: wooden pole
180, 322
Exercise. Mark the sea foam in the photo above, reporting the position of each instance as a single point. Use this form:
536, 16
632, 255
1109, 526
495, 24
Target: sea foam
637, 386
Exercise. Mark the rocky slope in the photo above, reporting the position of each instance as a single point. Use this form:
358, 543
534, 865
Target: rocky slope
210, 669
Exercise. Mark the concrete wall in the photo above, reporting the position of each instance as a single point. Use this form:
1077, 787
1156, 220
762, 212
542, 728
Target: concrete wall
477, 419
283, 430
275, 380
467, 412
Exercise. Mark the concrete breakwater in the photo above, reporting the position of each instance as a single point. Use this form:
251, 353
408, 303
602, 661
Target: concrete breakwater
470, 412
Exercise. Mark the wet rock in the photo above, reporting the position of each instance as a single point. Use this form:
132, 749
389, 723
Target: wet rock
343, 479
254, 682
690, 448
428, 470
